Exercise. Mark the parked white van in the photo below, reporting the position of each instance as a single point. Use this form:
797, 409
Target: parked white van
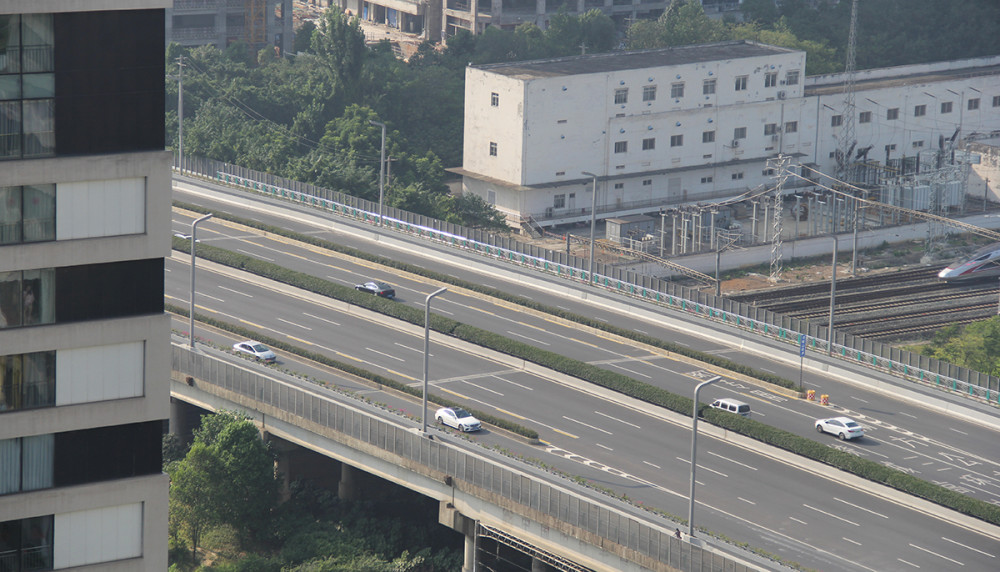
732, 406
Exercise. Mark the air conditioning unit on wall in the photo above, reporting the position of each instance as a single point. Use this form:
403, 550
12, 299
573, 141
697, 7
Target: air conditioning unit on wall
781, 94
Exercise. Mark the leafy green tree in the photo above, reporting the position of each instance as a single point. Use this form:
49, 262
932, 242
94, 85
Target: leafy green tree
682, 23
303, 37
976, 346
597, 31
227, 477
471, 210
339, 44
820, 58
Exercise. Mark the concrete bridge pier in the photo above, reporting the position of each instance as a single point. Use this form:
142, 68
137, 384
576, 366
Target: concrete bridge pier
449, 516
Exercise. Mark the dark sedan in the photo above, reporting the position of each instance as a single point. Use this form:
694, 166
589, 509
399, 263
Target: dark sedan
378, 288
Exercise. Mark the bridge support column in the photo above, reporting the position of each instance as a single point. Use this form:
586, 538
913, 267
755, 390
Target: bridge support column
348, 488
449, 516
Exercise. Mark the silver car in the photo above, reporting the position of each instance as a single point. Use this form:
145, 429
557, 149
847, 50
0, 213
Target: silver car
256, 350
458, 418
843, 427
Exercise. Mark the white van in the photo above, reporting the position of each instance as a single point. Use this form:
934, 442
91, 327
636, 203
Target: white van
732, 406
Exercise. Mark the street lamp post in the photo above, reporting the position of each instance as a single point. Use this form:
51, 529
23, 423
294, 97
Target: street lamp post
194, 229
833, 295
694, 444
427, 349
381, 171
593, 223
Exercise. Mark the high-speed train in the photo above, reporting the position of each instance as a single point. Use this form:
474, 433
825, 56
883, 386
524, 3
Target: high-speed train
981, 264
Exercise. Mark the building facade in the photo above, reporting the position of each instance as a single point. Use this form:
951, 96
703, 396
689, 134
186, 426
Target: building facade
675, 126
259, 23
84, 230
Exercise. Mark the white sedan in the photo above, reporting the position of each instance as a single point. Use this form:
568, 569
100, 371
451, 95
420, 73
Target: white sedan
458, 418
843, 427
256, 350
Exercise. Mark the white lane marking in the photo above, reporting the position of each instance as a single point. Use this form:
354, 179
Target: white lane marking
294, 324
724, 458
857, 399
618, 420
957, 431
907, 414
851, 541
703, 467
515, 384
860, 507
628, 370
383, 354
406, 347
969, 547
652, 465
830, 515
202, 294
527, 338
936, 554
604, 447
910, 563
747, 501
681, 343
248, 253
440, 311
321, 319
797, 520
586, 425
642, 331
236, 292
477, 386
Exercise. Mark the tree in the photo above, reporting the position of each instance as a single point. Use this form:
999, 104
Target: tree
976, 346
303, 37
227, 477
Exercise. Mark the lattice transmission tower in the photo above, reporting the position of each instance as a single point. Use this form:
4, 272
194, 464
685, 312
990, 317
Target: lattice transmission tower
846, 141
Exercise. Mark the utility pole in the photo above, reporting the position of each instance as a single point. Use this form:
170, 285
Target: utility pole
846, 139
180, 113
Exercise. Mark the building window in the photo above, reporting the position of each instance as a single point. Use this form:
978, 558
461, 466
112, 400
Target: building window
27, 214
27, 87
677, 90
945, 107
676, 140
919, 143
974, 104
708, 87
493, 149
770, 129
647, 182
621, 146
892, 113
737, 176
27, 381
865, 117
996, 101
792, 78
649, 93
495, 99
836, 121
890, 147
705, 180
920, 111
741, 83
28, 466
27, 543
740, 133
771, 79
767, 172
708, 136
559, 202
791, 126
648, 144
619, 186
27, 297
621, 96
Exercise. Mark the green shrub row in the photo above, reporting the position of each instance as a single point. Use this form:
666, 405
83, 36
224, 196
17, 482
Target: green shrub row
618, 382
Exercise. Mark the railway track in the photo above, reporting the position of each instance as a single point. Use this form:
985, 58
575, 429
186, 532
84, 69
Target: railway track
890, 307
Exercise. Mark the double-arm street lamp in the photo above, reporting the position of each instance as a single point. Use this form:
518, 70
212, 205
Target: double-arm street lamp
427, 348
194, 229
381, 170
593, 222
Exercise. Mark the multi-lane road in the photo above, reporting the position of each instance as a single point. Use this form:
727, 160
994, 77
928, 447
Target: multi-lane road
803, 515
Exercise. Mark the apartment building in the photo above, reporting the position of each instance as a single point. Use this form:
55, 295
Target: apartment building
219, 23
674, 126
84, 230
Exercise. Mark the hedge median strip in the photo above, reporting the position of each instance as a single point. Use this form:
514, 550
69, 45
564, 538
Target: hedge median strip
788, 441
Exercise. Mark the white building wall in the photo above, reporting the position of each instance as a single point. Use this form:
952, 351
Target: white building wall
98, 535
98, 373
502, 124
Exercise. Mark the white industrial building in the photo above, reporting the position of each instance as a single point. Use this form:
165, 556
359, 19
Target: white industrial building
674, 126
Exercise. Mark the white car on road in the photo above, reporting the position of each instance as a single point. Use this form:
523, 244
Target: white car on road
458, 418
256, 350
843, 427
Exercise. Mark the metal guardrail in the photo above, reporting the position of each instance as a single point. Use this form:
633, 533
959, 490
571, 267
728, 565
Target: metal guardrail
481, 477
913, 367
